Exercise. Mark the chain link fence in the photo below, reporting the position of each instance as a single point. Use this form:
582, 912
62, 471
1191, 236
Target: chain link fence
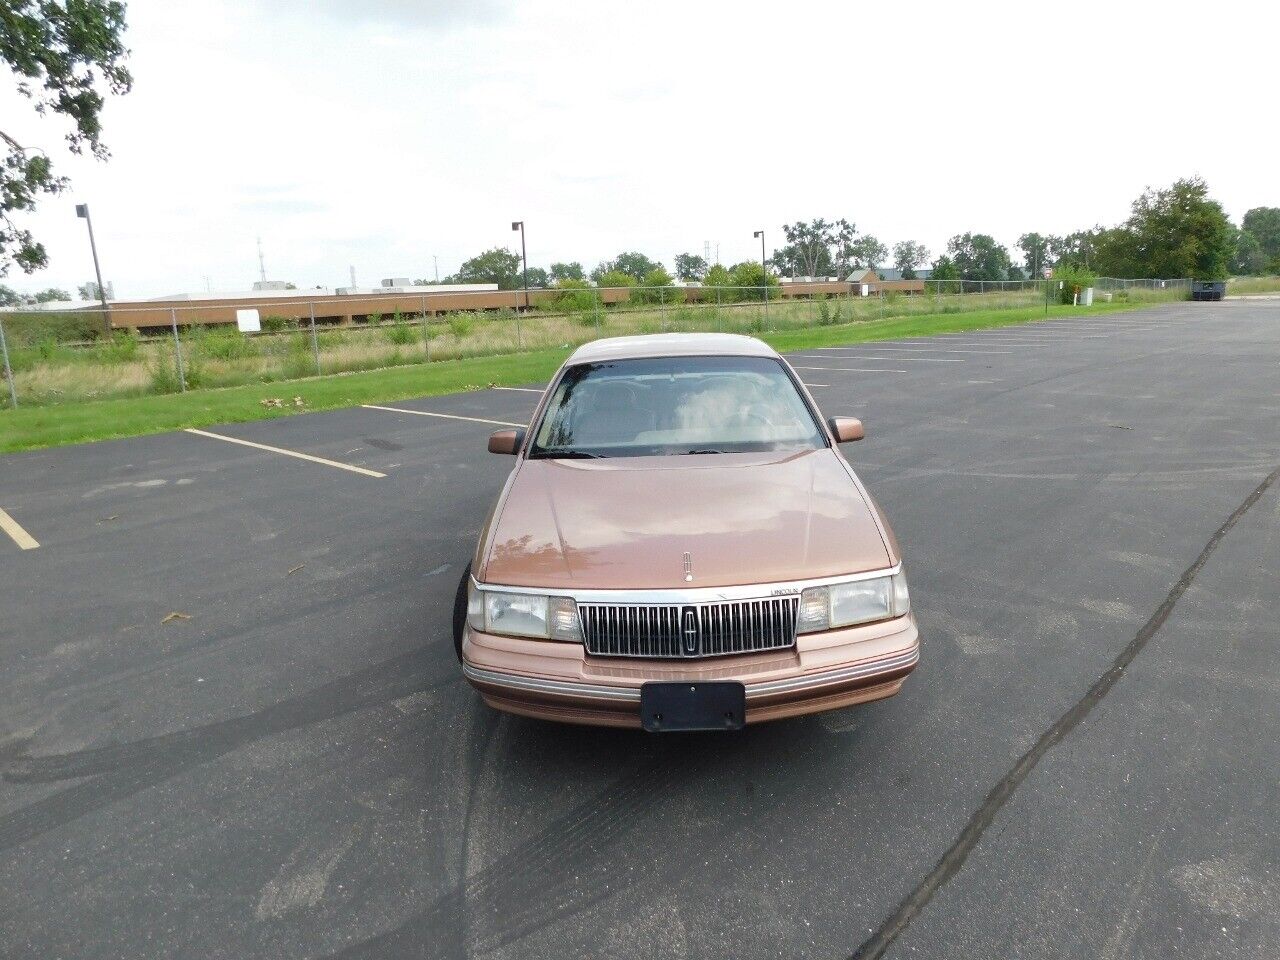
63, 357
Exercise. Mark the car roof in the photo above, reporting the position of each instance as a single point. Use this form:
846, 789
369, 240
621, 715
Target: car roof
672, 345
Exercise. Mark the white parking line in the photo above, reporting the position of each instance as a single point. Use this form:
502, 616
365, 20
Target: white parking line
816, 384
287, 453
519, 389
912, 348
851, 369
445, 416
14, 529
863, 356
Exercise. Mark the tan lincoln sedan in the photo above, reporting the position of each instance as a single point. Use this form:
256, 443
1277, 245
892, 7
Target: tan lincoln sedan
680, 546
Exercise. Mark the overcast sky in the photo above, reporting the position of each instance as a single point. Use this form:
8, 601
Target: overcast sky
378, 134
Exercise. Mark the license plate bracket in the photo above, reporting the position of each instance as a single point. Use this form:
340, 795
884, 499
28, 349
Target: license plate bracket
716, 705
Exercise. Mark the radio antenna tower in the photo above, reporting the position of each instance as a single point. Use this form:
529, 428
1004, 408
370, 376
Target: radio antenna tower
262, 264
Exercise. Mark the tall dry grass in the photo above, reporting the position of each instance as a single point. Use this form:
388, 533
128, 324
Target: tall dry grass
222, 357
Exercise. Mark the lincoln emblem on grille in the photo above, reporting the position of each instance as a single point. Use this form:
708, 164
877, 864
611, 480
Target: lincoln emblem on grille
688, 567
690, 631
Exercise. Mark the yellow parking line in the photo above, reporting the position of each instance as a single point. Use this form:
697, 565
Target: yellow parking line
19, 536
287, 453
447, 416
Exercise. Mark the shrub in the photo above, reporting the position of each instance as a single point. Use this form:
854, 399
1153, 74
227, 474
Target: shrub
615, 278
121, 348
162, 373
1073, 278
400, 332
27, 329
299, 361
222, 343
333, 338
460, 325
657, 287
750, 279
574, 296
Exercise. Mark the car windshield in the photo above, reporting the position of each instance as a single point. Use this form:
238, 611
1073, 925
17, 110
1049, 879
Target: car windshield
664, 406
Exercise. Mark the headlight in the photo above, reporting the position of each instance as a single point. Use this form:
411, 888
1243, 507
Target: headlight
523, 615
858, 601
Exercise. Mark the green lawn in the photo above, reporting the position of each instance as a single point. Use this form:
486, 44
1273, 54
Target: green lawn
37, 427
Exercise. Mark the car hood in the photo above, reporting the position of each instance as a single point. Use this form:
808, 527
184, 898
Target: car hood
626, 523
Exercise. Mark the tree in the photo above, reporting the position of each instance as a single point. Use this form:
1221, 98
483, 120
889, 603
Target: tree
718, 275
1247, 257
789, 260
1035, 252
867, 251
944, 269
560, 272
1077, 249
9, 297
657, 286
690, 267
537, 278
66, 55
51, 295
632, 262
1115, 253
816, 248
907, 255
613, 278
977, 256
1180, 232
1264, 224
493, 266
750, 279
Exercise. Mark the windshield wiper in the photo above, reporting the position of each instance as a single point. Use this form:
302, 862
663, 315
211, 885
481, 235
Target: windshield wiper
706, 450
565, 453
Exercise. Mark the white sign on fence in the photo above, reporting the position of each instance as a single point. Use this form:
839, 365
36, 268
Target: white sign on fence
248, 322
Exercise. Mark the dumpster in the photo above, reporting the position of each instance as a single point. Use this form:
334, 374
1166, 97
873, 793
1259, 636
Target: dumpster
1208, 289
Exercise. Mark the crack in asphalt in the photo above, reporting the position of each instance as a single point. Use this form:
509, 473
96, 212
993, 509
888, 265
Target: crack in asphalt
911, 906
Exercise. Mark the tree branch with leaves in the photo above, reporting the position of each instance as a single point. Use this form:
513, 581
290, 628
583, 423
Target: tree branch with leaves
67, 56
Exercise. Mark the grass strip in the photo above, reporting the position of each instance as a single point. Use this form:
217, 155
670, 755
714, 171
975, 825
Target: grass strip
50, 426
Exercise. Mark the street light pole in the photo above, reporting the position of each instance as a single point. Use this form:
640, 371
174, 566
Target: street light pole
764, 270
524, 257
82, 211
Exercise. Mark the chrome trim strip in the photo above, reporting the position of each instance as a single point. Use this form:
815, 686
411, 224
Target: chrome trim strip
565, 687
632, 694
834, 676
692, 595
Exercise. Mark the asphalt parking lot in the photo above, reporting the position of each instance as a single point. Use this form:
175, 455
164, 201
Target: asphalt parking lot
232, 725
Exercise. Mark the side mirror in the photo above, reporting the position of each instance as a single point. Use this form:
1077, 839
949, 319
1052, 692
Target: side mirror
846, 429
506, 441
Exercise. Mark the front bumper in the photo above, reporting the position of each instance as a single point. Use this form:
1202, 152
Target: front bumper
824, 671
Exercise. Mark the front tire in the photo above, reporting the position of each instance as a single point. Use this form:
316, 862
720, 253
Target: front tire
460, 611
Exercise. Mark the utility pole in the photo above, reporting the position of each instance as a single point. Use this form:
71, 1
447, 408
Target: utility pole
436, 262
82, 211
524, 256
764, 269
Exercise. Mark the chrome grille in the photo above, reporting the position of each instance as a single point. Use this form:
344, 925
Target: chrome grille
692, 630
